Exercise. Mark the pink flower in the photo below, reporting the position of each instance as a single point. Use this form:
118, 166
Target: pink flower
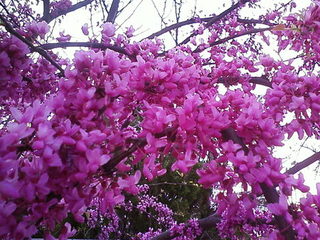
129, 183
297, 183
63, 37
152, 169
108, 30
37, 28
280, 208
154, 143
9, 189
96, 159
129, 32
110, 198
267, 61
66, 232
298, 103
211, 174
84, 29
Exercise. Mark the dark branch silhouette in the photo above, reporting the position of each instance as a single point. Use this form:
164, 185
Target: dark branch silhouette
101, 46
216, 19
139, 143
33, 48
204, 223
46, 10
113, 11
206, 19
305, 163
74, 7
270, 193
252, 31
261, 81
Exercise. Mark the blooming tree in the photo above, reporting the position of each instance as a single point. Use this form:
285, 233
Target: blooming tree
79, 136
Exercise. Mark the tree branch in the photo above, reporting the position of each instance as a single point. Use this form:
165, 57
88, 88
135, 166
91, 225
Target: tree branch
177, 25
102, 46
255, 21
216, 19
261, 81
140, 143
9, 14
204, 223
256, 80
70, 9
33, 48
200, 49
269, 193
305, 163
206, 19
46, 10
113, 11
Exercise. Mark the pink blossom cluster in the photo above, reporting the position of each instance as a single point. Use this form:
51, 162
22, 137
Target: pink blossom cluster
22, 79
34, 29
59, 6
113, 117
302, 34
164, 215
97, 219
235, 223
108, 220
13, 61
186, 231
295, 94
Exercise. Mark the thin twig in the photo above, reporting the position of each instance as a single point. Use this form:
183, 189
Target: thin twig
216, 19
9, 14
177, 10
161, 18
33, 48
101, 46
139, 143
70, 9
135, 9
124, 7
205, 19
257, 30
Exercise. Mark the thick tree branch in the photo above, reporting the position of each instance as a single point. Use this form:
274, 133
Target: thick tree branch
200, 49
113, 11
101, 46
256, 80
70, 9
140, 143
270, 193
33, 48
204, 223
216, 19
46, 10
231, 134
261, 81
305, 163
